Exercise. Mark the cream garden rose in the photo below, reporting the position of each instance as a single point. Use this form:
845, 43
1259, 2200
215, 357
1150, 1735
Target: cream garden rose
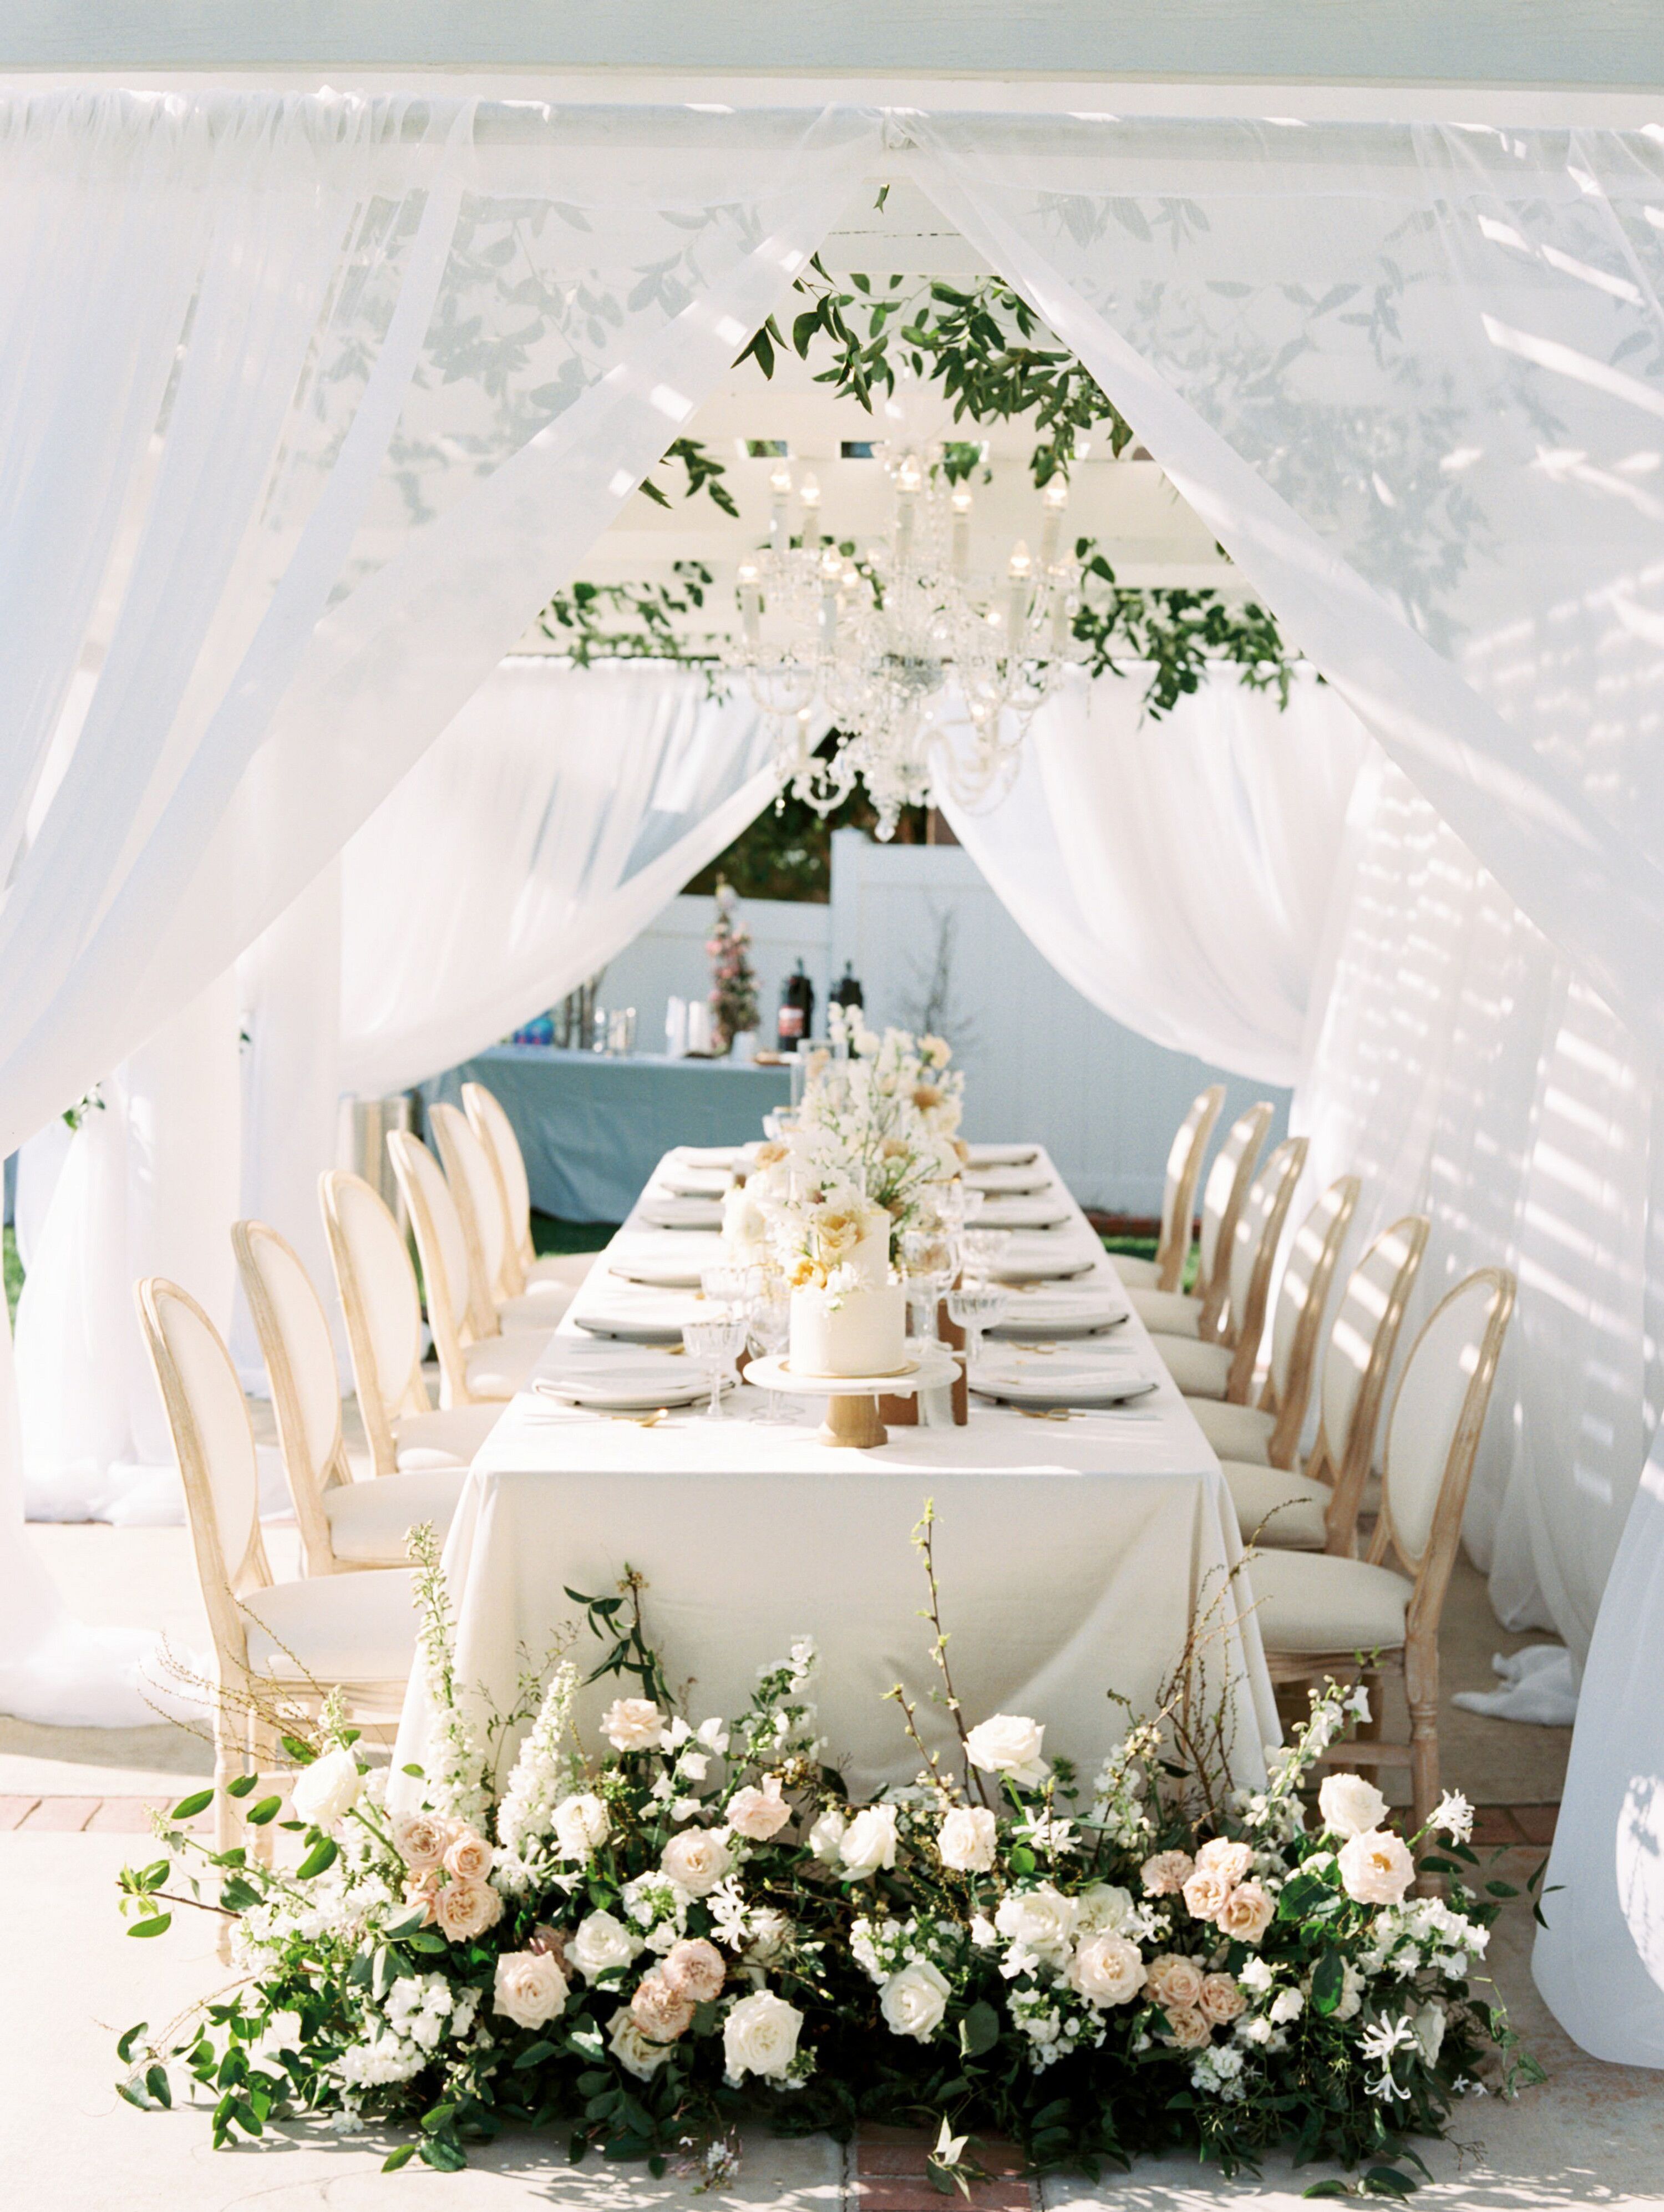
696, 1861
1106, 1969
1349, 1806
466, 1909
759, 1814
636, 2053
1166, 1875
529, 1987
695, 1969
1376, 1868
582, 1825
1103, 1907
1246, 1913
468, 1856
422, 1839
1222, 2000
632, 1724
760, 2036
1010, 1745
966, 1839
1231, 1861
1041, 1920
1205, 1894
327, 1791
1189, 2026
1174, 1982
603, 1945
914, 2001
869, 1842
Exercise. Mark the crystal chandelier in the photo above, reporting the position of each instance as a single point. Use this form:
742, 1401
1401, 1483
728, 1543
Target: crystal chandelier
894, 645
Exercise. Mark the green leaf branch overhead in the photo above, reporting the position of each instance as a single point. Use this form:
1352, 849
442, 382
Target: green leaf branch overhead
993, 359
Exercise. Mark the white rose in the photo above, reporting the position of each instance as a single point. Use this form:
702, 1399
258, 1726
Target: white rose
869, 1842
1350, 1805
760, 2036
1107, 1969
1287, 2005
1102, 1909
914, 2001
826, 1836
1429, 2024
1011, 1746
601, 1946
581, 1825
327, 1791
1376, 1868
632, 1724
1043, 1920
636, 2053
529, 1987
966, 1839
696, 1861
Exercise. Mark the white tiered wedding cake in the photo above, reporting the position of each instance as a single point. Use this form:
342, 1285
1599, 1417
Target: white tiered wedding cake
857, 1324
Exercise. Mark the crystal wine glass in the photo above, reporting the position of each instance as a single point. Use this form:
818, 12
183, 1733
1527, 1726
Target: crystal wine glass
929, 1264
769, 1328
715, 1343
982, 1250
975, 1311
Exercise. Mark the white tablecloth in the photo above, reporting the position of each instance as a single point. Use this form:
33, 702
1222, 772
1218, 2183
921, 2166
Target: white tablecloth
1072, 1557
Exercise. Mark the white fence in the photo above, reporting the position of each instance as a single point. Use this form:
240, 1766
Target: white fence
934, 946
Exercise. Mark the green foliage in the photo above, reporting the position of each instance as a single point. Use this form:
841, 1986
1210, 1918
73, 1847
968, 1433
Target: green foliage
786, 852
631, 621
1179, 631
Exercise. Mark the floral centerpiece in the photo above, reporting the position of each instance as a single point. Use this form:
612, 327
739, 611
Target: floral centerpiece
648, 1939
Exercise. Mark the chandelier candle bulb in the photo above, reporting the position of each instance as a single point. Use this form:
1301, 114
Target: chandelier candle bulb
961, 504
810, 492
1056, 499
1017, 615
780, 483
750, 601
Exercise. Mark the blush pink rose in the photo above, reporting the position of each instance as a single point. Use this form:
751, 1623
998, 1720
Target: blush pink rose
1222, 2000
466, 1909
1229, 1861
1204, 1894
1246, 1913
661, 2012
1174, 1982
1190, 2029
468, 1856
758, 1814
1166, 1875
695, 1969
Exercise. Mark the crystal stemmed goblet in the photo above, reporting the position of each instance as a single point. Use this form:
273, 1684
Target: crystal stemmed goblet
982, 1251
929, 1264
769, 1326
975, 1311
715, 1343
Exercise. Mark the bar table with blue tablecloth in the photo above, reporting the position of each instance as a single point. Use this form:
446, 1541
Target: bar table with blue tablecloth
594, 1127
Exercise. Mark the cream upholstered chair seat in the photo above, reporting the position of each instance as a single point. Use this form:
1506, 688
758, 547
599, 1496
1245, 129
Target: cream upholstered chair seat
534, 1312
502, 1366
370, 1522
351, 1629
1235, 1433
1201, 1370
1169, 1313
1328, 1604
1274, 1506
1136, 1274
448, 1439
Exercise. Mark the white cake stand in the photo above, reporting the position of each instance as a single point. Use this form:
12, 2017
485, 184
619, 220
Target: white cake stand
851, 1400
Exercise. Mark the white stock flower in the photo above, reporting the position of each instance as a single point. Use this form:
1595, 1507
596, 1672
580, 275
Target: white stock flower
632, 1724
581, 1825
1349, 1806
1041, 1920
601, 1946
1007, 1744
966, 1839
760, 2036
327, 1791
869, 1842
914, 2001
1453, 1815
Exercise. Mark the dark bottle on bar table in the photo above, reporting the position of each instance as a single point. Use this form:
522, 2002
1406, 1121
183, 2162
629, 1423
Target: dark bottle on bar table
797, 1011
846, 992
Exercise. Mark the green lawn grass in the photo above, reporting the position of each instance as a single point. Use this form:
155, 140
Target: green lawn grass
549, 1235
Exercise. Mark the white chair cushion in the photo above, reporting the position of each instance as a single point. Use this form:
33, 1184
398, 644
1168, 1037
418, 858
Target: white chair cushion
370, 1520
1169, 1311
340, 1628
1276, 1506
1325, 1604
559, 1271
503, 1364
1239, 1432
1201, 1370
539, 1309
447, 1439
1137, 1275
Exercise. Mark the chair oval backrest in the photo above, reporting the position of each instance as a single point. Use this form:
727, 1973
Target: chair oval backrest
1307, 1273
1223, 1198
1439, 1410
1253, 1246
306, 1392
378, 1290
1365, 1333
474, 1187
484, 1109
1184, 1170
444, 1255
214, 1441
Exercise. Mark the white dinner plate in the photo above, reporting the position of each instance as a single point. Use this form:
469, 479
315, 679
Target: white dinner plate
1003, 1155
1062, 1313
662, 1273
1029, 1260
709, 1155
1016, 1378
625, 1381
693, 1183
641, 1316
1008, 1182
680, 1212
1023, 1213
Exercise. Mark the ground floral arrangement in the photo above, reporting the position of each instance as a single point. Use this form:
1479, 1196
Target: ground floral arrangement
649, 1946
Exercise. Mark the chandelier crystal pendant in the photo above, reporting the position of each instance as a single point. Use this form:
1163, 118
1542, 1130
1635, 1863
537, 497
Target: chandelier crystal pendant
896, 646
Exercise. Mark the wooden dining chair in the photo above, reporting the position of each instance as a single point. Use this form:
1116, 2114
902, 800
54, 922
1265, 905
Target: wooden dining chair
276, 1644
1275, 1424
1201, 1311
1184, 1171
344, 1524
473, 1368
381, 1304
1317, 1510
476, 1187
523, 1272
1379, 1616
1225, 1369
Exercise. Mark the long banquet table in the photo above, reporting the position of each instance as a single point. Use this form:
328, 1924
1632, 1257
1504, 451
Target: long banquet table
1072, 1556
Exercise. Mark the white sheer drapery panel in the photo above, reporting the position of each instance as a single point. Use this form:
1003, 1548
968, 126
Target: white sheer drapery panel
1460, 1067
561, 809
425, 364
1413, 379
288, 984
1177, 872
149, 1186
